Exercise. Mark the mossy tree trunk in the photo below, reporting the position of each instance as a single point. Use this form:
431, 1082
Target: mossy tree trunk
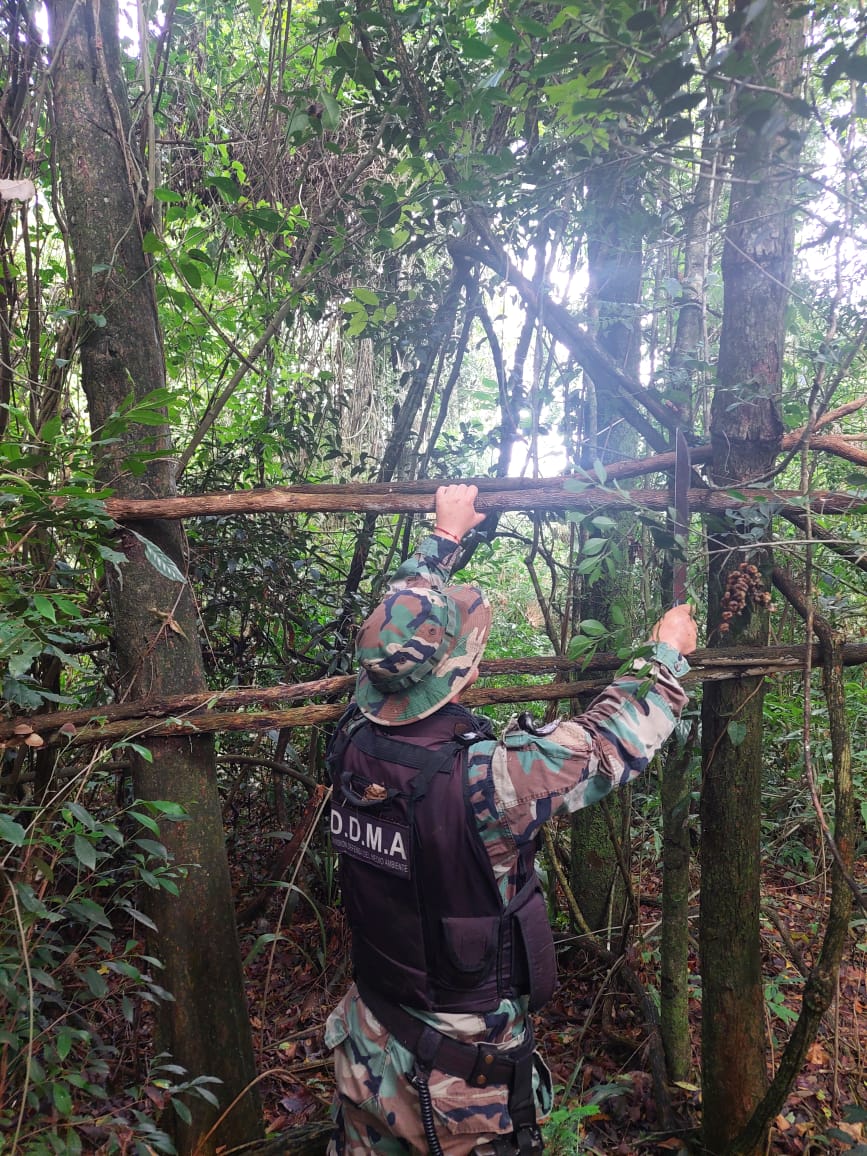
746, 432
205, 1027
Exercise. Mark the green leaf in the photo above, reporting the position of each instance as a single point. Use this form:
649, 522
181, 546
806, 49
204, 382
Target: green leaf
143, 752
169, 809
152, 847
62, 1098
356, 65
95, 982
592, 627
146, 821
182, 1110
616, 613
588, 566
89, 912
160, 561
669, 78
85, 852
168, 196
331, 111
600, 471
64, 1042
81, 814
191, 274
474, 48
737, 732
140, 917
579, 644
12, 832
151, 243
366, 296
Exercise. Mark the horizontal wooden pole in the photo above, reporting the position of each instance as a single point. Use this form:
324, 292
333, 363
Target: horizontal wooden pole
194, 714
533, 495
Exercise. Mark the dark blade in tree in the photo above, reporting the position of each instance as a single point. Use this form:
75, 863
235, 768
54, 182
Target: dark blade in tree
681, 515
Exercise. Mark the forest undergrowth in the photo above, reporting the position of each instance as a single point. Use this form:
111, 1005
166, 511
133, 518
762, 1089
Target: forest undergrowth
592, 1034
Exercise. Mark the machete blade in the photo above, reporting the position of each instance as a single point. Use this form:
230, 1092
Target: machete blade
682, 469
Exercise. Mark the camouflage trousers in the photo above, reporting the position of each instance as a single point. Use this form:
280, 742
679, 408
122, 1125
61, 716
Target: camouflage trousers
376, 1109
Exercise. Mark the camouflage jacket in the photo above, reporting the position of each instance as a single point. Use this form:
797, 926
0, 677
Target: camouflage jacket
518, 782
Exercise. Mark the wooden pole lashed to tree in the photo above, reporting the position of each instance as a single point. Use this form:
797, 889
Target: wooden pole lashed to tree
267, 708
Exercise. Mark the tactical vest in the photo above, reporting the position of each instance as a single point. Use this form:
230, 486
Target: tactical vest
429, 928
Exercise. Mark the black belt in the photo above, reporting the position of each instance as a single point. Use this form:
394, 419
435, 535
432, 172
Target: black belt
476, 1064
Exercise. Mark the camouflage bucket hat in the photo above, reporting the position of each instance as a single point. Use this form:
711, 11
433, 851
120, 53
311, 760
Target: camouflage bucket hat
418, 649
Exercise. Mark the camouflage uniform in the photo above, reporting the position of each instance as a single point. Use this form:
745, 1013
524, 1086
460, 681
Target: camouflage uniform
515, 785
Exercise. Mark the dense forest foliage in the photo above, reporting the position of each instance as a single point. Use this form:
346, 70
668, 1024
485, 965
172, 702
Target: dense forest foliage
354, 249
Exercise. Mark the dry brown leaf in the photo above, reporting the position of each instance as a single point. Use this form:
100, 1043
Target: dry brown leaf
816, 1054
854, 1131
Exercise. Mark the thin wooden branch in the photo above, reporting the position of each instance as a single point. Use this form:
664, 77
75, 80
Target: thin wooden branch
821, 983
399, 498
192, 714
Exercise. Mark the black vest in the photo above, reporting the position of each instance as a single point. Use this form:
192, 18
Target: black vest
429, 928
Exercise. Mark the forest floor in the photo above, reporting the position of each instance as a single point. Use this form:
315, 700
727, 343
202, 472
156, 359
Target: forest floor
592, 1034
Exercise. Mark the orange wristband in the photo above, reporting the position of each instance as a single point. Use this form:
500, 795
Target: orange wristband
446, 534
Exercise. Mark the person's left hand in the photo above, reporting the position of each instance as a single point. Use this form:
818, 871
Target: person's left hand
456, 510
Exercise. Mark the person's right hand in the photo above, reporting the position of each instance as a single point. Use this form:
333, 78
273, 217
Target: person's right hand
677, 628
456, 511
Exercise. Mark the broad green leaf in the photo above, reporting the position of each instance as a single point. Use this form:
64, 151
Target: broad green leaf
85, 852
62, 1098
89, 911
168, 808
737, 732
95, 982
64, 1042
160, 561
11, 831
146, 821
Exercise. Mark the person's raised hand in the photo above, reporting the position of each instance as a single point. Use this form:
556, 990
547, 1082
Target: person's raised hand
677, 628
456, 512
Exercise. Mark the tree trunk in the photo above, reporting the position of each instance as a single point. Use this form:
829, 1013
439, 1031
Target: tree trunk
675, 787
746, 433
614, 260
205, 1027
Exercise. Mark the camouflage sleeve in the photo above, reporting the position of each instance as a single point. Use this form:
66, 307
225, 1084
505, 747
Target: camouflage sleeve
575, 762
430, 565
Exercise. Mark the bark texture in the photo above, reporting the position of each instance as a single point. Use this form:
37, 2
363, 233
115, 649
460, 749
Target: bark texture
746, 435
614, 264
206, 1027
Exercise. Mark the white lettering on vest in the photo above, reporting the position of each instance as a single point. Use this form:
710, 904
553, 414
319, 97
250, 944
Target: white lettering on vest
378, 842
